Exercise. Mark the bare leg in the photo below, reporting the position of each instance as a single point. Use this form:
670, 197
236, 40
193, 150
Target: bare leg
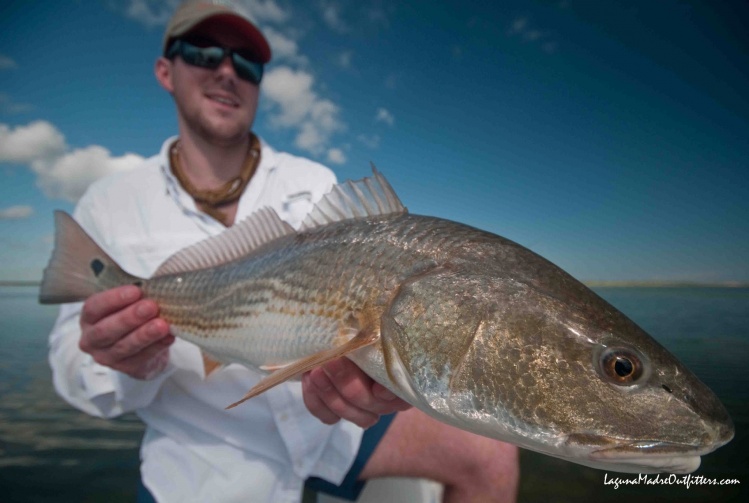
471, 467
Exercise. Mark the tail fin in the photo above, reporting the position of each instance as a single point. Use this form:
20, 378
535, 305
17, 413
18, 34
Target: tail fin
78, 267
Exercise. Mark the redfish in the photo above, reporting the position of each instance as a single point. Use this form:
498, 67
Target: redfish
469, 327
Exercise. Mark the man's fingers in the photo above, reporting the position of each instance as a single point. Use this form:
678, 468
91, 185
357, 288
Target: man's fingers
340, 389
328, 393
110, 330
389, 398
315, 404
102, 304
355, 386
135, 343
147, 363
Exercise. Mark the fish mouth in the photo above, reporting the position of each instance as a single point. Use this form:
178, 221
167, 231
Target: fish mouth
651, 457
642, 456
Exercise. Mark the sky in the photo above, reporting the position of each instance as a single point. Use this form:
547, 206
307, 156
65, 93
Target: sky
611, 137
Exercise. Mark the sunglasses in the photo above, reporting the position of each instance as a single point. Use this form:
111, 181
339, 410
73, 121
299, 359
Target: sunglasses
211, 57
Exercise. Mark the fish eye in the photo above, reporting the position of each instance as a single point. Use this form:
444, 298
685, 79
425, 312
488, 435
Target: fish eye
621, 366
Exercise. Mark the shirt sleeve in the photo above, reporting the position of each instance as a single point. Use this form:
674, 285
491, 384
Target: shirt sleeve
83, 383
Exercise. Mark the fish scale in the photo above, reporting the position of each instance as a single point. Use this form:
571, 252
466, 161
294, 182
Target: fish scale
469, 327
284, 304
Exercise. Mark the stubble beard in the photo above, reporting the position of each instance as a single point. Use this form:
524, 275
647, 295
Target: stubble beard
205, 127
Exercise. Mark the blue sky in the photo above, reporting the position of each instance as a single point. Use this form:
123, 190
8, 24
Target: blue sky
610, 137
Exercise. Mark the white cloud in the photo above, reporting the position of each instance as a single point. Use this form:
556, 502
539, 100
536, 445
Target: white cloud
7, 63
284, 48
518, 26
310, 138
292, 91
377, 15
521, 27
371, 141
295, 104
60, 173
151, 13
16, 212
384, 116
69, 176
39, 140
266, 11
336, 156
331, 14
549, 47
344, 59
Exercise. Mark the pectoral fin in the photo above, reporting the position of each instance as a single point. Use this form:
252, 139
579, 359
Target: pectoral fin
360, 340
272, 367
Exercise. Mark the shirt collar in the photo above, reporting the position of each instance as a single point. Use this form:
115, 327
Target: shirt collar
187, 203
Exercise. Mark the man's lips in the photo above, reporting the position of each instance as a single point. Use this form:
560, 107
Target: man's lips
223, 99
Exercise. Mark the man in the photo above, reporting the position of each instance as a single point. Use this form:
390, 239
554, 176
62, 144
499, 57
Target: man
113, 354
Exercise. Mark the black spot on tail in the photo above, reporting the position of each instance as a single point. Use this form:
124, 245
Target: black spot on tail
97, 266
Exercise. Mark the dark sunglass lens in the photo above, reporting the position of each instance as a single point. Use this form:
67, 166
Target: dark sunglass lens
207, 57
246, 69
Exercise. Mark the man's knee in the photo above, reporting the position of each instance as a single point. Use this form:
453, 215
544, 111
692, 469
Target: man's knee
490, 464
467, 464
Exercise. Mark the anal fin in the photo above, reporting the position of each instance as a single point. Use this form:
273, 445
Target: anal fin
360, 340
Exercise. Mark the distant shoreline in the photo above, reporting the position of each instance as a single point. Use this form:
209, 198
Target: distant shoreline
666, 284
19, 283
593, 284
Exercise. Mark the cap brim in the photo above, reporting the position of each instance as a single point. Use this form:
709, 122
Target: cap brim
256, 41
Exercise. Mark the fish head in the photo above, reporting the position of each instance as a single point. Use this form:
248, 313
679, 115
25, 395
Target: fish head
554, 368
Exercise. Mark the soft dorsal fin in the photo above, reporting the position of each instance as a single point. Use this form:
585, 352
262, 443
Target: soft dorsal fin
235, 242
367, 197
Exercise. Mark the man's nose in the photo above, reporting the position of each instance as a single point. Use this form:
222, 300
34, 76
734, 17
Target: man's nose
226, 67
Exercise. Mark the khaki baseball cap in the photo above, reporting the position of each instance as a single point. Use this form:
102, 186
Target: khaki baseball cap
193, 12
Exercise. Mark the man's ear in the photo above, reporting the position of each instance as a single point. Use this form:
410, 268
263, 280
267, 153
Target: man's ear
163, 71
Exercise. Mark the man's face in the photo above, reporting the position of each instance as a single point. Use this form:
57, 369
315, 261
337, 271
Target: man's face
215, 104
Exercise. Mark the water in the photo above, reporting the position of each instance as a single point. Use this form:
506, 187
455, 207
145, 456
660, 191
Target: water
51, 452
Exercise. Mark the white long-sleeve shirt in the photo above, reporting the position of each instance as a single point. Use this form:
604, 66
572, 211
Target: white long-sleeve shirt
194, 450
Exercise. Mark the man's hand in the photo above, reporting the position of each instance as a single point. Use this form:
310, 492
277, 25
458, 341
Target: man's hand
121, 330
341, 390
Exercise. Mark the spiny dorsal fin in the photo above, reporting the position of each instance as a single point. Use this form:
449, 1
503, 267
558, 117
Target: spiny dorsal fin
236, 242
367, 197
364, 198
